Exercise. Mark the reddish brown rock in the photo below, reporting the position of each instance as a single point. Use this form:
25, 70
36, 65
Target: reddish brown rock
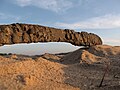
28, 33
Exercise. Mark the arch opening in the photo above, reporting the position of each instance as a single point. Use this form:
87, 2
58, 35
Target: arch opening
38, 48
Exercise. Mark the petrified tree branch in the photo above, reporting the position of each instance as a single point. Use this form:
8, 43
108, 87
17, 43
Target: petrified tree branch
28, 33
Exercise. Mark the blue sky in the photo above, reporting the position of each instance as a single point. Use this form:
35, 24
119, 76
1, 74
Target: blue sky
98, 16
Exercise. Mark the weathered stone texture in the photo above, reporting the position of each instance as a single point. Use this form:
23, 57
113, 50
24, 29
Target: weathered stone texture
28, 33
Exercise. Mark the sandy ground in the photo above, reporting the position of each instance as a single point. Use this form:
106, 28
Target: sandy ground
82, 69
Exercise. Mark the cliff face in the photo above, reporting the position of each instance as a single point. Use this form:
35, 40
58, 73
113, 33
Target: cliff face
28, 33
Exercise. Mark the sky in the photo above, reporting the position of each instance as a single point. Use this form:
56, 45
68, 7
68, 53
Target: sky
101, 17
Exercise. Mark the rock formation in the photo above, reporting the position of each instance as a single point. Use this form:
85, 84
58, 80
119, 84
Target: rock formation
28, 33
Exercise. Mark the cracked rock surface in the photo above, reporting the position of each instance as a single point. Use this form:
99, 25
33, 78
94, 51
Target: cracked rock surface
28, 33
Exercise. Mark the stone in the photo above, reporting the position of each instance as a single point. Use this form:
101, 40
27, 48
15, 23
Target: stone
29, 33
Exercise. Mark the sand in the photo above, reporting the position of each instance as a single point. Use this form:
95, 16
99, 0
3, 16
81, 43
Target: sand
82, 69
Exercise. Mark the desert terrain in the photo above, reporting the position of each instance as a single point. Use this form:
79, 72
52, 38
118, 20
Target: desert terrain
82, 69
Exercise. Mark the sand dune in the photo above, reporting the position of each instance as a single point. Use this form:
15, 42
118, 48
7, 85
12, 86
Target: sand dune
78, 70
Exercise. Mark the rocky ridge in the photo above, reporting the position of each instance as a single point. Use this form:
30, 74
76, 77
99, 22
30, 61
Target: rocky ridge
28, 33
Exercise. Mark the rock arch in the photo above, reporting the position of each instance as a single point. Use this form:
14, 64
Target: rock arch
28, 33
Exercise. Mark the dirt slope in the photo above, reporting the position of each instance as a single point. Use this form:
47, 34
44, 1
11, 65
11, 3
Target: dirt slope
78, 70
93, 54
